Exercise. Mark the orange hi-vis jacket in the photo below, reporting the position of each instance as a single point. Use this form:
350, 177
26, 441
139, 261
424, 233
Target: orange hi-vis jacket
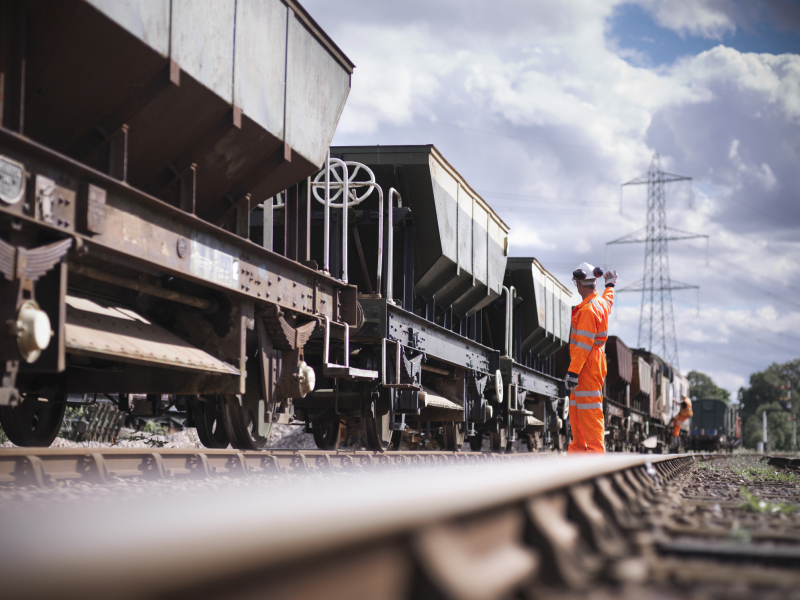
588, 359
684, 414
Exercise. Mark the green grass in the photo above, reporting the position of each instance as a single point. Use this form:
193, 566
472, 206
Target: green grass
764, 473
753, 503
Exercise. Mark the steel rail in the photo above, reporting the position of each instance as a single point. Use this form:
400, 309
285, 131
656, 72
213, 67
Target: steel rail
46, 467
464, 533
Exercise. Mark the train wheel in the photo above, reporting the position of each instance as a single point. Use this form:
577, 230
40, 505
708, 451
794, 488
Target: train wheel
32, 422
210, 424
327, 433
453, 434
241, 423
499, 440
476, 442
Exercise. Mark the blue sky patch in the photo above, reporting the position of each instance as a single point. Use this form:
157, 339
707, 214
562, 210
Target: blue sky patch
633, 28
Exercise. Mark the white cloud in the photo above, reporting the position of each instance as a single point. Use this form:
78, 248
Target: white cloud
707, 18
572, 119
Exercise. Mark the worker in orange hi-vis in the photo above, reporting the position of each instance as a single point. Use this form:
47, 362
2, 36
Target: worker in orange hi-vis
683, 414
587, 367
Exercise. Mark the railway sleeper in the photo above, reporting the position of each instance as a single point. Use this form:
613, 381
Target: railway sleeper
562, 540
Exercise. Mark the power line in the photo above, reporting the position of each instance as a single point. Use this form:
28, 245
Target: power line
534, 140
512, 196
484, 131
750, 206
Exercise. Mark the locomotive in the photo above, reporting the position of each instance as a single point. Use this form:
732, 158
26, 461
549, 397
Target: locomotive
715, 426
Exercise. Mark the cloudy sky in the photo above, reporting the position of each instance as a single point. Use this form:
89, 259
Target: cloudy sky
547, 107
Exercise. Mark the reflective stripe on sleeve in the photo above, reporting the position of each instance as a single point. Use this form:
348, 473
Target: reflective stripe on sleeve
602, 334
588, 406
599, 342
588, 394
581, 345
588, 334
573, 403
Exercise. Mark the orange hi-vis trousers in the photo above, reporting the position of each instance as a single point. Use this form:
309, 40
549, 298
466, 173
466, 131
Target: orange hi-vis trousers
588, 359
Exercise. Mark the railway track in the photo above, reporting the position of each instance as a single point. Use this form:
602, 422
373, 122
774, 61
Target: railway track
44, 467
413, 525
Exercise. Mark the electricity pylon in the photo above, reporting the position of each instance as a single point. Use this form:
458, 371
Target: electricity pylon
656, 319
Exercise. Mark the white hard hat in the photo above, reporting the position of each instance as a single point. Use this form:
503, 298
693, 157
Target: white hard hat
586, 273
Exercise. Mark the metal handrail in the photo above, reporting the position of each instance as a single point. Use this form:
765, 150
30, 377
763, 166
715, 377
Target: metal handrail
349, 188
326, 346
508, 343
393, 193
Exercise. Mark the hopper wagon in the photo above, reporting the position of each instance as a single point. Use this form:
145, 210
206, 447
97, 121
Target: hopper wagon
429, 258
136, 138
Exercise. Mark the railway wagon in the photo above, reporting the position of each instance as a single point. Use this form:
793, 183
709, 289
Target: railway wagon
624, 424
430, 263
131, 155
714, 426
638, 397
659, 405
539, 325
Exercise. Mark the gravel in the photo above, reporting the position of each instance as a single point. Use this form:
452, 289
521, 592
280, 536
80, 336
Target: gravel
283, 436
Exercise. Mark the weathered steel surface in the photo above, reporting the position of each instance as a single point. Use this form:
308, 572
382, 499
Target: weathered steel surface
148, 21
620, 362
259, 84
660, 385
415, 332
202, 42
528, 379
642, 384
121, 334
154, 234
545, 310
218, 85
316, 91
461, 243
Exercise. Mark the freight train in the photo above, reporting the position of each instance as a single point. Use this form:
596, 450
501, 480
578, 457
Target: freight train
176, 231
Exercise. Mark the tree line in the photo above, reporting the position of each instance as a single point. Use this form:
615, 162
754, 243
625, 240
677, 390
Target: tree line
764, 394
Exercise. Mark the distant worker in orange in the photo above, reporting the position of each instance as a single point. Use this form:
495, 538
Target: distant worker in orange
587, 367
683, 414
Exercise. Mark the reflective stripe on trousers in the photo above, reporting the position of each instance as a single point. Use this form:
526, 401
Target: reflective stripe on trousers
588, 427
